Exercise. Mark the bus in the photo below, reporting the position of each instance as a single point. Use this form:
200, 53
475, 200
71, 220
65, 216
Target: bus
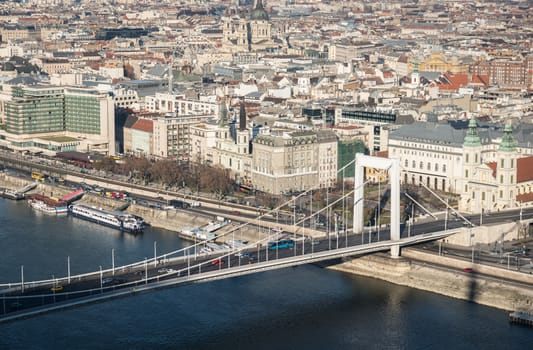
281, 244
38, 176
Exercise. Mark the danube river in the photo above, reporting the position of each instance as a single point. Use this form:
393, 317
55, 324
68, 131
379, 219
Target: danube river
297, 308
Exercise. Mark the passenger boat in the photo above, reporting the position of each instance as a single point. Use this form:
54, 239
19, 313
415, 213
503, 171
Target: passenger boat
42, 206
119, 220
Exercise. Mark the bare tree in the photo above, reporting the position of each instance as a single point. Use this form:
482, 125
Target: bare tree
216, 180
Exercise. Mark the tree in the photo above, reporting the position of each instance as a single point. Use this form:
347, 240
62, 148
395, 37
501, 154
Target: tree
106, 164
168, 172
139, 168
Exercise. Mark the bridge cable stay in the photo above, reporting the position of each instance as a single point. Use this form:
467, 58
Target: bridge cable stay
140, 264
446, 203
420, 205
268, 237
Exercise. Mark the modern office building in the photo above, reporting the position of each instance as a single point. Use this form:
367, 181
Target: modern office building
81, 116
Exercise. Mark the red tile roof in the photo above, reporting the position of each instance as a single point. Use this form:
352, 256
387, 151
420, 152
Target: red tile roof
493, 166
453, 82
143, 125
524, 197
524, 171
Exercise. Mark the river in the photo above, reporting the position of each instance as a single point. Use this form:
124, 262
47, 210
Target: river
307, 307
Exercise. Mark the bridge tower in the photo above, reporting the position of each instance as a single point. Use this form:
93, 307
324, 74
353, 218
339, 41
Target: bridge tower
393, 166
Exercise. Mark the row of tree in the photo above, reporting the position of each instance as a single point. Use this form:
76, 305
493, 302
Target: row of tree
171, 175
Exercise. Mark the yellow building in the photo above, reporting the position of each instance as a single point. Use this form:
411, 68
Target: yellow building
438, 62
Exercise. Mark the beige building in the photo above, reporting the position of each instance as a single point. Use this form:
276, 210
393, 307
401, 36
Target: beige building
248, 34
203, 140
171, 135
294, 161
233, 152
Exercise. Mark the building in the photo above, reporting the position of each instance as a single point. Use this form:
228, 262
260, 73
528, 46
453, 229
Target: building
178, 104
81, 116
248, 34
284, 162
375, 123
506, 73
171, 135
466, 161
138, 138
203, 141
504, 183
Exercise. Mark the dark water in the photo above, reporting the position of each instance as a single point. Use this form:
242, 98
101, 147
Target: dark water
296, 308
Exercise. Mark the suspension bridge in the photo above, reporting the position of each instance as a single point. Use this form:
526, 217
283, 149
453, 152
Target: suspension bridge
184, 266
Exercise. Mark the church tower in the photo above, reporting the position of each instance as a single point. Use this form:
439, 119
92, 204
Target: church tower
259, 25
506, 169
471, 160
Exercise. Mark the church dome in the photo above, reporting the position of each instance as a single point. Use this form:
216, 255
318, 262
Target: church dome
259, 12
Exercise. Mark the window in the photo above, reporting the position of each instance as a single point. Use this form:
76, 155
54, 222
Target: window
467, 158
501, 194
414, 164
466, 173
421, 165
429, 166
501, 163
406, 163
436, 167
466, 188
443, 168
501, 179
482, 196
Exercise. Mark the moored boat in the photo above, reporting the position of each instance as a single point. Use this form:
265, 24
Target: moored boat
42, 206
118, 220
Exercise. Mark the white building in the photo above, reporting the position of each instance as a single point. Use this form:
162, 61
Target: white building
173, 103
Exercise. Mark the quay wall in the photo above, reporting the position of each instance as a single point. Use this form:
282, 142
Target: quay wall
172, 220
447, 279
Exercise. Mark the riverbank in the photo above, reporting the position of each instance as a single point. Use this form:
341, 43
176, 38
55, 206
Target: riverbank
406, 271
168, 219
485, 285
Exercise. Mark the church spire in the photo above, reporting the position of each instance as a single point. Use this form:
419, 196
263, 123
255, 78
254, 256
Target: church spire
508, 143
242, 117
472, 137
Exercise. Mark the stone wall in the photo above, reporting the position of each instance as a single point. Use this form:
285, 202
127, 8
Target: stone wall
449, 280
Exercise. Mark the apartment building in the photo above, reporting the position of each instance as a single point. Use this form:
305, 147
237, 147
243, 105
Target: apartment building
178, 104
171, 135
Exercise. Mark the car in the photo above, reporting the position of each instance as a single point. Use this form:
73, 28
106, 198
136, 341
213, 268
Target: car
217, 262
56, 289
165, 270
108, 280
235, 212
160, 198
468, 270
243, 254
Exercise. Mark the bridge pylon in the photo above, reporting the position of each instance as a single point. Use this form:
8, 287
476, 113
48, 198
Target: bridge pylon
393, 166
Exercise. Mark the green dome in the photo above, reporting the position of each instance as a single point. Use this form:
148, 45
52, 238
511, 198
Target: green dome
508, 143
472, 138
259, 12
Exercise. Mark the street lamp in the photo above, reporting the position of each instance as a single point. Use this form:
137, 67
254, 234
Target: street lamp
155, 253
113, 260
101, 281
